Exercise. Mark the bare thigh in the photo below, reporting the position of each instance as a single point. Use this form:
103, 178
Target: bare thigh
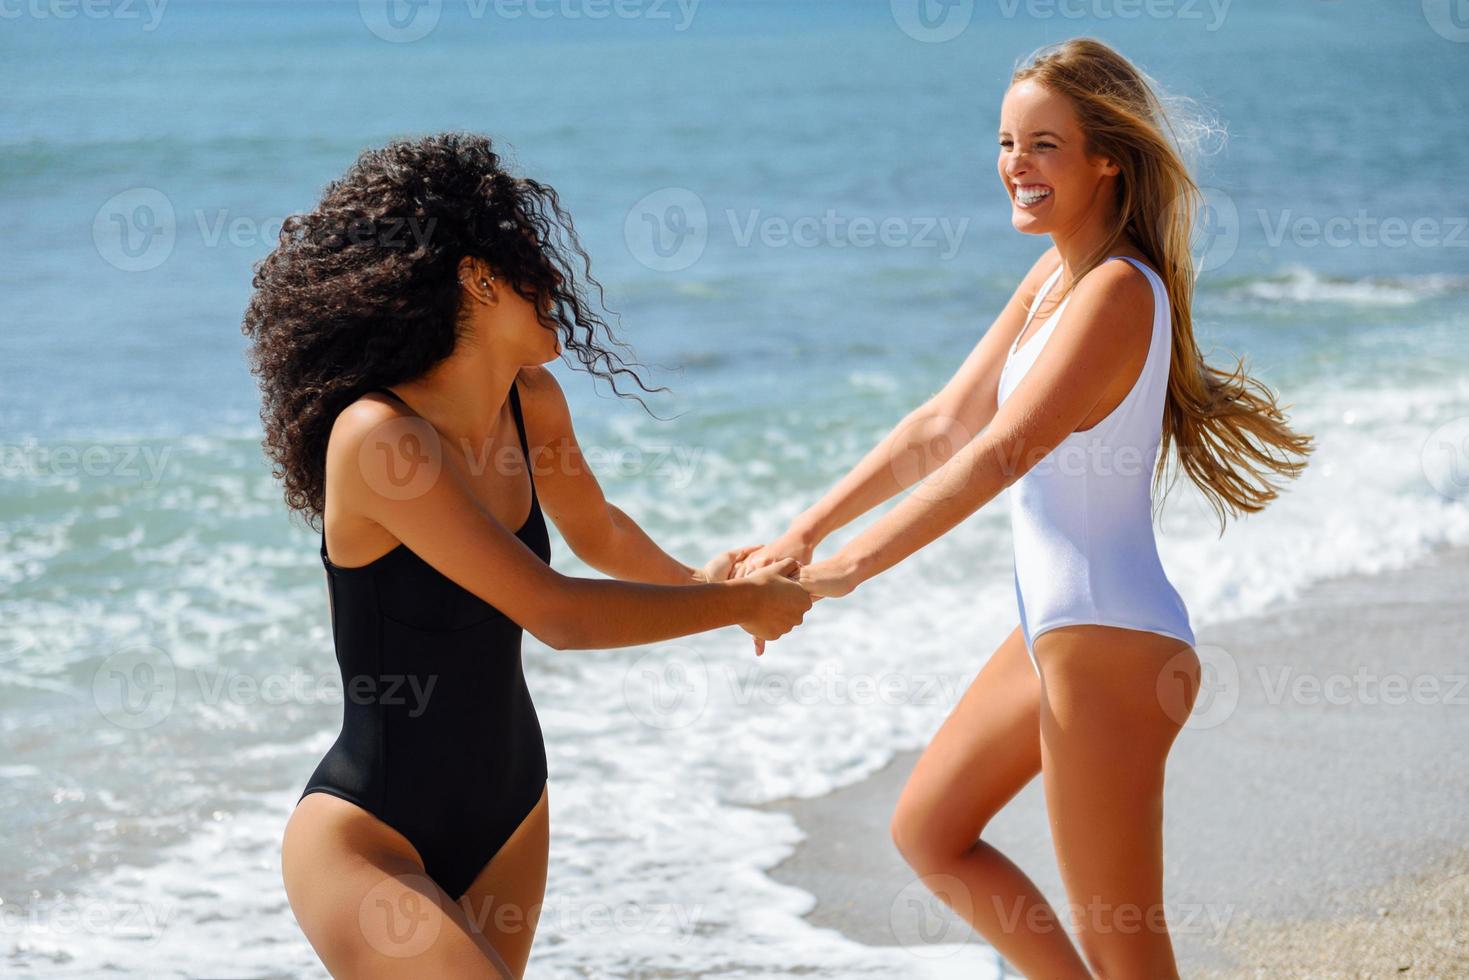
358, 889
504, 902
984, 753
1110, 711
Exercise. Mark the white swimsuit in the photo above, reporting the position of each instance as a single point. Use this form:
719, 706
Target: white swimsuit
1081, 518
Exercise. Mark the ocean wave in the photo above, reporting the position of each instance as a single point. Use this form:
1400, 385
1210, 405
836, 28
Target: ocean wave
1297, 284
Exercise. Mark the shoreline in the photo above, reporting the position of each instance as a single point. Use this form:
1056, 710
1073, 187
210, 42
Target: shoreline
1316, 815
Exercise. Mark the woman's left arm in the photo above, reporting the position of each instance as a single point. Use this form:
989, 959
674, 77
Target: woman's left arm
1107, 331
600, 533
629, 553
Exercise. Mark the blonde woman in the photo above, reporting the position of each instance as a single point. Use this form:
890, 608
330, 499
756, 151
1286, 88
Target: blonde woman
1068, 414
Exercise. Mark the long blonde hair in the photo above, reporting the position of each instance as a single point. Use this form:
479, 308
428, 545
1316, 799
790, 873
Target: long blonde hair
1228, 431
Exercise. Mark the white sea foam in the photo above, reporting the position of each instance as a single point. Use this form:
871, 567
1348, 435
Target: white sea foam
1298, 284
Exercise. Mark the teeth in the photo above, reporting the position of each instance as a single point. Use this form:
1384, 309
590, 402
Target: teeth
1031, 196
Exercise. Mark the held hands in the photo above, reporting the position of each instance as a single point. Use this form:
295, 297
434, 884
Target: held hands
722, 566
786, 558
785, 546
782, 602
823, 579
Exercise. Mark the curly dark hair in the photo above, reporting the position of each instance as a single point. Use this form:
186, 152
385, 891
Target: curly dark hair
363, 291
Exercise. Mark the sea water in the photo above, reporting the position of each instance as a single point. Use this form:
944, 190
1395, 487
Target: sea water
796, 214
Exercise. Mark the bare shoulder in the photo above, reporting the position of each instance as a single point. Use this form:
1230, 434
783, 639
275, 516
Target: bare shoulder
360, 454
544, 403
359, 423
1115, 301
1121, 282
356, 422
537, 380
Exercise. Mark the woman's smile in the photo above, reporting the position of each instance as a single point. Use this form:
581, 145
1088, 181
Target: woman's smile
1031, 196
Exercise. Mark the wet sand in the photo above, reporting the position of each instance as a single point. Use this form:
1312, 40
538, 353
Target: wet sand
1316, 812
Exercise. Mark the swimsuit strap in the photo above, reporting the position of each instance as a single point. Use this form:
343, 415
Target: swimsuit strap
519, 421
1041, 294
524, 445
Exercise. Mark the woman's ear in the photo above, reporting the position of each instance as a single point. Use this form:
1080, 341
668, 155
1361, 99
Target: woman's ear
468, 269
478, 280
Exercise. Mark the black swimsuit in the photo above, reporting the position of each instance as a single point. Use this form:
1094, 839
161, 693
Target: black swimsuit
439, 737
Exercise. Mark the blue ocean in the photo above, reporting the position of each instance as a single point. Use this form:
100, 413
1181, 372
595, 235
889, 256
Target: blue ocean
795, 211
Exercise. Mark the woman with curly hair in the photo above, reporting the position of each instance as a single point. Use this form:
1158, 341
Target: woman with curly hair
398, 332
1093, 685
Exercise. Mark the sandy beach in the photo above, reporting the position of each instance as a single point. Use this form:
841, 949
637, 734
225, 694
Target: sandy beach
1315, 815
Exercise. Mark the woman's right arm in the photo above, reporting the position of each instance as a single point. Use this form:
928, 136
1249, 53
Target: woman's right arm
442, 522
923, 441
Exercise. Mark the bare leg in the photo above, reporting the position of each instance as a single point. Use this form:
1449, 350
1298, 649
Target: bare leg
983, 754
1105, 737
359, 891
